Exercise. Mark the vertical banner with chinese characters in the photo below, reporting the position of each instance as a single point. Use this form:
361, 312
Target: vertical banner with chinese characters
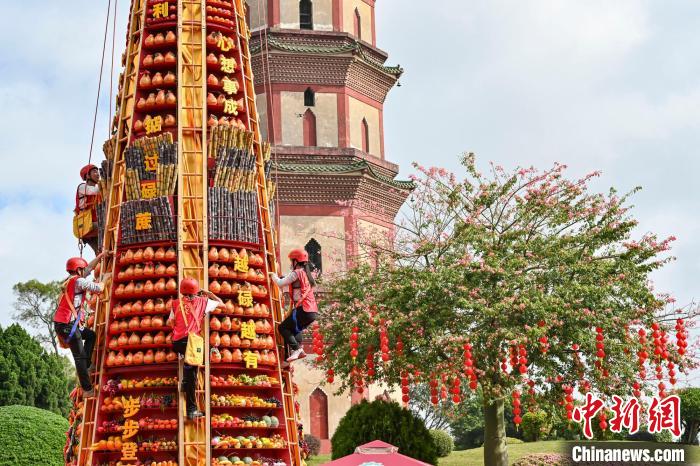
132, 407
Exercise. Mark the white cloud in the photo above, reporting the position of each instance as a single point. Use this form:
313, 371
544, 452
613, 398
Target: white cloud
35, 242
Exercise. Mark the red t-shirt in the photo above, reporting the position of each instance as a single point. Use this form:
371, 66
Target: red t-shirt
64, 314
195, 310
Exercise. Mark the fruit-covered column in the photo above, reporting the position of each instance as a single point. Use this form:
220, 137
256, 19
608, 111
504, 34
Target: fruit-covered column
186, 168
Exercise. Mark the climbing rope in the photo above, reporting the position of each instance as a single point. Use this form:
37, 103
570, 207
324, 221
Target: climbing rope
267, 83
111, 69
81, 242
99, 83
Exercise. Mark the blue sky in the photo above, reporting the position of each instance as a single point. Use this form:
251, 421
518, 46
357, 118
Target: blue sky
598, 85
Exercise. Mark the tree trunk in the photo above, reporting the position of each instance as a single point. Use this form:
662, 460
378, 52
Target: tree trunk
691, 433
495, 450
52, 336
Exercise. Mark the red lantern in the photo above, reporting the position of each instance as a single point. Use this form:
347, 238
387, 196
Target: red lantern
516, 407
353, 343
602, 424
317, 340
681, 336
370, 362
522, 360
433, 390
384, 341
469, 366
404, 388
569, 399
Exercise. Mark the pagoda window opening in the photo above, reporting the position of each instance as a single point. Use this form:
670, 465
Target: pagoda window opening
306, 14
365, 135
313, 248
310, 128
309, 98
247, 16
358, 24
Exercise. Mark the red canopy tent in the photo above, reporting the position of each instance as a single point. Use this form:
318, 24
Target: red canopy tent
376, 453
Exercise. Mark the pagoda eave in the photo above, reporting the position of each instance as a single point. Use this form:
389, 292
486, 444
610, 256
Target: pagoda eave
352, 184
324, 58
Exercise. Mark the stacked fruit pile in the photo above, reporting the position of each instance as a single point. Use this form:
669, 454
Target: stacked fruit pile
244, 380
158, 445
246, 461
227, 421
239, 401
264, 357
114, 385
227, 442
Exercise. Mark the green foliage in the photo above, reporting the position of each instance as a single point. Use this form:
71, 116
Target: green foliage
36, 303
31, 436
513, 441
314, 444
563, 429
434, 416
29, 375
663, 437
467, 423
443, 442
535, 426
690, 414
381, 420
502, 260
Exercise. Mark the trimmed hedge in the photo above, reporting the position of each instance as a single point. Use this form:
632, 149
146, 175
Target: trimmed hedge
389, 422
30, 436
443, 442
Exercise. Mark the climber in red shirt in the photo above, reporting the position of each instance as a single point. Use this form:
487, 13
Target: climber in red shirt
304, 308
70, 313
187, 316
87, 196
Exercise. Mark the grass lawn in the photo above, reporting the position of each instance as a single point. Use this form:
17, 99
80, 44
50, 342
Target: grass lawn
474, 457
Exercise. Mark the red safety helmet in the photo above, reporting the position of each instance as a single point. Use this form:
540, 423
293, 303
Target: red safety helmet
75, 263
85, 171
189, 286
299, 255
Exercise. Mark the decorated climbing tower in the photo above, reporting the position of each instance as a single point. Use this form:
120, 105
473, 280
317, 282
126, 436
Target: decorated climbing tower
186, 194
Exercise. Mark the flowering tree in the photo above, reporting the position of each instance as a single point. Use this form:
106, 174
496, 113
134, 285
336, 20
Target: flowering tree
525, 284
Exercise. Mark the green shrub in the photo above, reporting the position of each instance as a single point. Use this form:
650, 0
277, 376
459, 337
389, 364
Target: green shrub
381, 420
513, 441
31, 436
443, 442
690, 414
535, 426
314, 444
663, 437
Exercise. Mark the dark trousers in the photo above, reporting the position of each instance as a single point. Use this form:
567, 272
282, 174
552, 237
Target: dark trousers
189, 377
92, 242
291, 331
82, 352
